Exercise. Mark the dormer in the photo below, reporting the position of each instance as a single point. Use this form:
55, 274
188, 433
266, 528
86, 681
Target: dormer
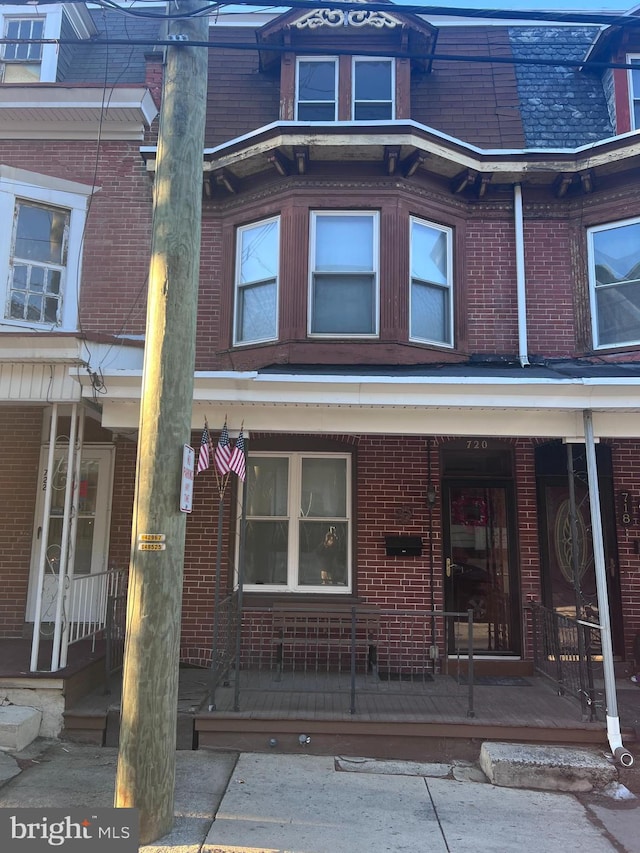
27, 60
619, 45
345, 65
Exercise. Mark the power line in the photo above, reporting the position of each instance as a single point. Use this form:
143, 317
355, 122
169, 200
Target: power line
271, 48
601, 18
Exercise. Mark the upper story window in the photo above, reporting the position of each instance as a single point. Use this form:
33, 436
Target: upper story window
330, 89
431, 294
40, 255
38, 263
373, 88
614, 273
316, 89
298, 530
343, 298
22, 61
256, 287
634, 91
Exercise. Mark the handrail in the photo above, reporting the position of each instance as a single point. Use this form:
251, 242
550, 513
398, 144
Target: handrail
86, 605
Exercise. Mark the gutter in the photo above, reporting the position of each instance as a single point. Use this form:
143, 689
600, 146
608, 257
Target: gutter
622, 755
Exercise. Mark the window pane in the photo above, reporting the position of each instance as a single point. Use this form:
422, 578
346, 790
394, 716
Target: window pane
316, 112
17, 305
429, 313
344, 243
34, 308
372, 112
322, 557
617, 254
343, 305
428, 253
316, 81
265, 555
267, 484
618, 314
257, 313
259, 252
324, 488
40, 233
373, 81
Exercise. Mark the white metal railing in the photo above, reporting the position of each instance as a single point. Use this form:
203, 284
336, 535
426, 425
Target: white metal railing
86, 603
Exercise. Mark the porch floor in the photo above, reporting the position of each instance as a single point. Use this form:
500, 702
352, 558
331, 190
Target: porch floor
390, 720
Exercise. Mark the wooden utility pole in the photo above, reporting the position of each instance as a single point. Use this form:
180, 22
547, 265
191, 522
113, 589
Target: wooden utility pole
146, 758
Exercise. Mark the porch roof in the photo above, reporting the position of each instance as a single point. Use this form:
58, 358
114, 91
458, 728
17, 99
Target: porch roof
502, 399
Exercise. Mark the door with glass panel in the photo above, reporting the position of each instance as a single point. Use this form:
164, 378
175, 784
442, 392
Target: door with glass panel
298, 524
92, 506
480, 566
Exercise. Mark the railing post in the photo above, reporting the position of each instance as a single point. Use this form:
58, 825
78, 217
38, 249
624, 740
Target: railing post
470, 709
352, 708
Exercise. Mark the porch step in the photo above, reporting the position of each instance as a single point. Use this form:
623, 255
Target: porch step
547, 768
19, 725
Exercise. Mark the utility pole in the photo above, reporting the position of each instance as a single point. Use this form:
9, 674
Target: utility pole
146, 759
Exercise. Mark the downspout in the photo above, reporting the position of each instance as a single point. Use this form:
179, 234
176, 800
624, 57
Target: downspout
523, 347
613, 720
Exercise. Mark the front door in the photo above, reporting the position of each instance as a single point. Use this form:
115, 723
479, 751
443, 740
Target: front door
92, 506
480, 566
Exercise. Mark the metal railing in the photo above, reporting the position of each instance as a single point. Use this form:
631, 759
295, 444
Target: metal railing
224, 645
86, 602
114, 635
359, 650
567, 651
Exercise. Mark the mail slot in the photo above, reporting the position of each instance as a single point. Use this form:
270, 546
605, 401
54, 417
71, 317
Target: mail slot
403, 546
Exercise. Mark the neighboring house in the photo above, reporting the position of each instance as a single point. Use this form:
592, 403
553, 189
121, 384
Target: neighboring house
417, 276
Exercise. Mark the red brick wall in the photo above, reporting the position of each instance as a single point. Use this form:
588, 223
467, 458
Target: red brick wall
20, 454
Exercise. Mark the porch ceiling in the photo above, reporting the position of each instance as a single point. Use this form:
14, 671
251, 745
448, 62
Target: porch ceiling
395, 405
74, 112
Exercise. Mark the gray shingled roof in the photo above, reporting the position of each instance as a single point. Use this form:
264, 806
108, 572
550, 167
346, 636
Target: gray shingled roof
125, 63
561, 106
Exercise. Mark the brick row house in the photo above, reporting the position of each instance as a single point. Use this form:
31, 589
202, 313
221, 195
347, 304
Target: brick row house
419, 296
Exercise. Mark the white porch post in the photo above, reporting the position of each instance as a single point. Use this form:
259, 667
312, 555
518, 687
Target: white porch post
604, 618
69, 488
44, 538
64, 645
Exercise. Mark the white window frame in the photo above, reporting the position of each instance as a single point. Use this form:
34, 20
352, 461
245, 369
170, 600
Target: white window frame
362, 59
240, 286
375, 271
593, 289
632, 59
293, 518
52, 18
417, 220
19, 185
316, 58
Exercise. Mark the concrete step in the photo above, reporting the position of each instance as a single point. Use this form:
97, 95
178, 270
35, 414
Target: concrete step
546, 768
19, 725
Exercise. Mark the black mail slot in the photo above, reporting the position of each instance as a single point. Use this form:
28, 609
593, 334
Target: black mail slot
403, 546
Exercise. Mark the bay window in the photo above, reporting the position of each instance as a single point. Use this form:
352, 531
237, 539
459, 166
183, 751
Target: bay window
344, 273
431, 293
256, 287
298, 528
614, 274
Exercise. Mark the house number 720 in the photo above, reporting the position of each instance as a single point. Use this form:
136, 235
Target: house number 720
477, 444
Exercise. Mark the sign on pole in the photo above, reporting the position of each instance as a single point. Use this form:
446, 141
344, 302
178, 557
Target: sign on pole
186, 488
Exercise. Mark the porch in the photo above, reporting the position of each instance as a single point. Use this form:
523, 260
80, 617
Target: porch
422, 721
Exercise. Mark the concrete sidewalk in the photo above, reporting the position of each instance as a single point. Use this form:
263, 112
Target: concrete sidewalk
250, 803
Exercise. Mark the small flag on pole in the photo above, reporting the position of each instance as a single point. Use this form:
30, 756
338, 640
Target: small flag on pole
204, 457
237, 461
223, 451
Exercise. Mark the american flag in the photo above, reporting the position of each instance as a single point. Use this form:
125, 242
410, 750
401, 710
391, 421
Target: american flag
223, 451
237, 461
204, 457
